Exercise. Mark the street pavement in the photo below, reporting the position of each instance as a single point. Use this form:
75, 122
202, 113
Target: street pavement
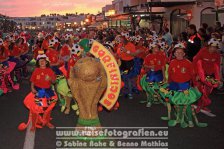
130, 114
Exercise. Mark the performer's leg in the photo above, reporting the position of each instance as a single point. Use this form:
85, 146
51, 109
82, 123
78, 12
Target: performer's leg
168, 105
196, 120
149, 99
14, 86
47, 118
129, 88
207, 100
24, 71
178, 111
34, 119
189, 116
3, 84
182, 117
68, 104
116, 106
217, 72
201, 71
204, 100
169, 110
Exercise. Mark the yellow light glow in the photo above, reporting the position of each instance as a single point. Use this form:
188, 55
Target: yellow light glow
110, 12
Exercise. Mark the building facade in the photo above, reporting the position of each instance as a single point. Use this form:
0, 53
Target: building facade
48, 22
175, 14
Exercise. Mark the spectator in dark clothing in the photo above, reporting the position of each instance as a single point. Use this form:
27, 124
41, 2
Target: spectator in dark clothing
210, 30
218, 27
194, 42
202, 31
204, 36
110, 37
204, 26
100, 36
183, 37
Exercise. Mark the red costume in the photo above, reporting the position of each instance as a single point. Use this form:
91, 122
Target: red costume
125, 55
155, 60
6, 44
41, 104
24, 48
5, 70
4, 56
180, 71
163, 54
65, 50
206, 64
53, 56
36, 51
39, 77
71, 63
16, 51
143, 53
45, 44
208, 60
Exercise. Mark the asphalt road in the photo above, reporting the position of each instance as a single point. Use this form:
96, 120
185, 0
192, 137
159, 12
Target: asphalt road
130, 114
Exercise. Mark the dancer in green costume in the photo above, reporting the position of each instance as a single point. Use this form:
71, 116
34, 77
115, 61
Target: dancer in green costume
180, 94
154, 65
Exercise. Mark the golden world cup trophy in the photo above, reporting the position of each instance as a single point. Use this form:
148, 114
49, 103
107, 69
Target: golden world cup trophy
92, 80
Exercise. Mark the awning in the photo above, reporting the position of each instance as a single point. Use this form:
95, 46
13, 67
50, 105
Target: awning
120, 17
96, 25
162, 3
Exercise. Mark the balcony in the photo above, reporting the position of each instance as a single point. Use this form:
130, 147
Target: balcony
128, 9
169, 3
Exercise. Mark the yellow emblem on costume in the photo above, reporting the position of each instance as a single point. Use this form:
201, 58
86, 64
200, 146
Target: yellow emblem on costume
38, 77
186, 92
164, 90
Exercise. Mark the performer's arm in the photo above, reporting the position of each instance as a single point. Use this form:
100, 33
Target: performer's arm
196, 58
217, 69
170, 72
33, 89
164, 73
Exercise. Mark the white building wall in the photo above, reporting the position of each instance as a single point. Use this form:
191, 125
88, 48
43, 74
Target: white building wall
197, 13
221, 18
47, 21
168, 12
